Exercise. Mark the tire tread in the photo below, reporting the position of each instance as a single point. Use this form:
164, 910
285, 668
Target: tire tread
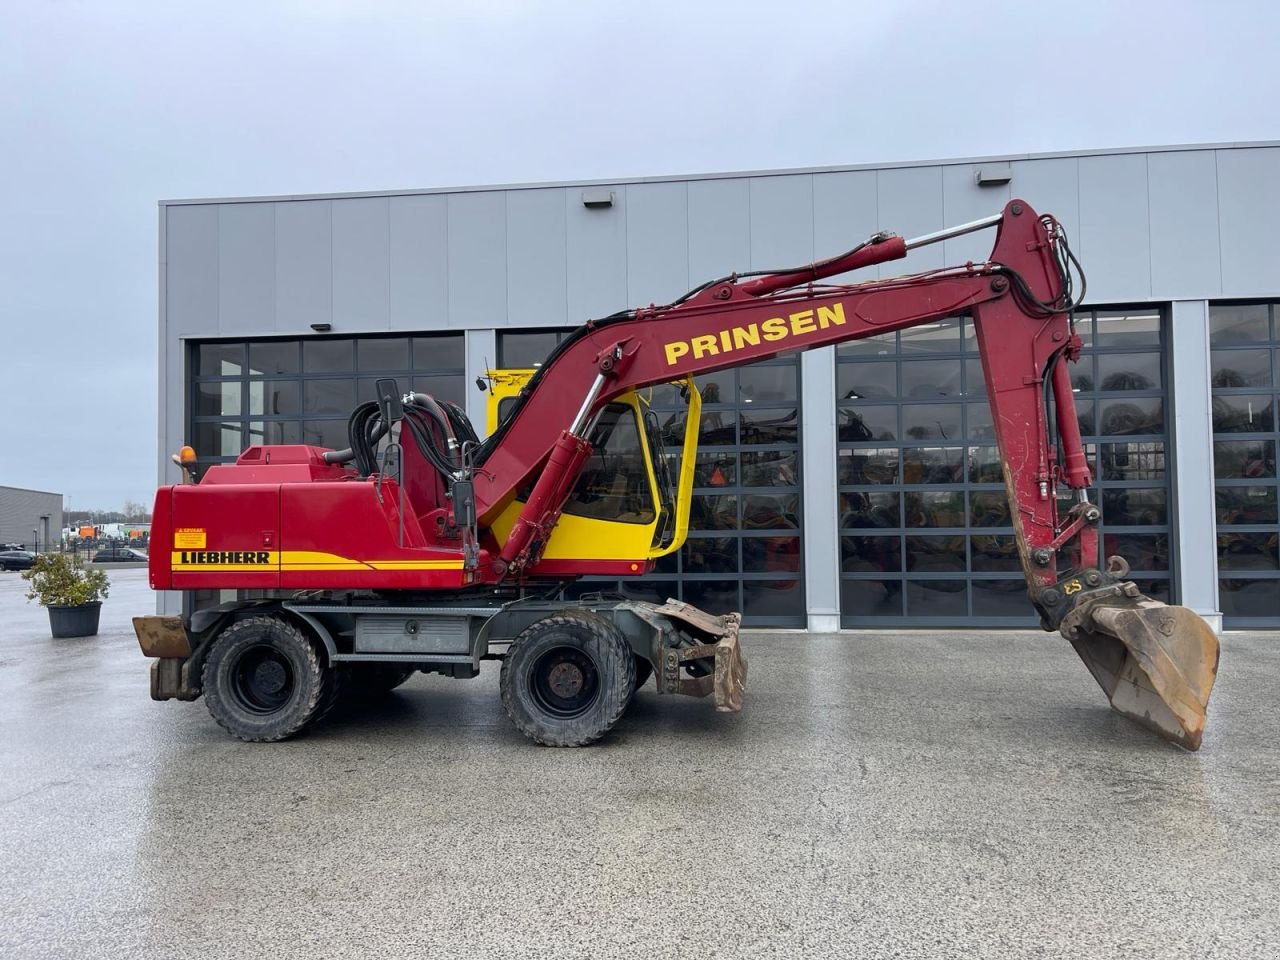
321, 688
554, 733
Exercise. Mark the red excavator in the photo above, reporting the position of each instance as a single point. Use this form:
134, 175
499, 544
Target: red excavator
421, 547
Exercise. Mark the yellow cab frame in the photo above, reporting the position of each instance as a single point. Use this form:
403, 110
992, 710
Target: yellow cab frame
640, 540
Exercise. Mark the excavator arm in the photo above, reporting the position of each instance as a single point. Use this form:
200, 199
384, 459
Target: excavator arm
1155, 662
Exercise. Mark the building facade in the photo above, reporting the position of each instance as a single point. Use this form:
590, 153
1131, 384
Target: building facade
841, 487
32, 518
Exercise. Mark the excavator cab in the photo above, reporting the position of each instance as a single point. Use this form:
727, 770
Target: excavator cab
630, 505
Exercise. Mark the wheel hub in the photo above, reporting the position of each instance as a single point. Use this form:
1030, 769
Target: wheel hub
565, 680
269, 677
262, 680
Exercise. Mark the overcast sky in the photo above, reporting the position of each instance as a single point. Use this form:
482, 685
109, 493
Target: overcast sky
107, 107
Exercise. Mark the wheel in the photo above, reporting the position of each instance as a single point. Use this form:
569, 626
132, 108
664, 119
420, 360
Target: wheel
568, 678
264, 681
644, 670
365, 681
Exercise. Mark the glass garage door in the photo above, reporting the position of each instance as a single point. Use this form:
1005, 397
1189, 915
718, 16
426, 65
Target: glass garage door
1245, 367
926, 534
303, 391
522, 349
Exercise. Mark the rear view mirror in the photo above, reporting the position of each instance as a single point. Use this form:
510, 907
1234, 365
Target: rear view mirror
389, 403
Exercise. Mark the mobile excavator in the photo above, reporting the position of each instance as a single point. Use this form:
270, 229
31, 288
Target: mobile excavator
421, 547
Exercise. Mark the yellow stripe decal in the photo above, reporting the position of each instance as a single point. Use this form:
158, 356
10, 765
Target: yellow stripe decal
294, 561
416, 564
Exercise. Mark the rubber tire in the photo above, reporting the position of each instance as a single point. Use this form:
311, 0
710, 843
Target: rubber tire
368, 681
603, 643
315, 685
644, 670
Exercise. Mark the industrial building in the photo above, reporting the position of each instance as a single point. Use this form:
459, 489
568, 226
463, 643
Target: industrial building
32, 518
842, 487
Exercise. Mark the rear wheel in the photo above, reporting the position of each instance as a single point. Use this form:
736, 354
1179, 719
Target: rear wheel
568, 678
264, 680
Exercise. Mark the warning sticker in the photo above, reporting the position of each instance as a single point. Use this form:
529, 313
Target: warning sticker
189, 538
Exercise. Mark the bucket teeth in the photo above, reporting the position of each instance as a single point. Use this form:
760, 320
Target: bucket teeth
1155, 662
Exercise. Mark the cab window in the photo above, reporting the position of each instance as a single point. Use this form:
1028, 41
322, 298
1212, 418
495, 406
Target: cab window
614, 484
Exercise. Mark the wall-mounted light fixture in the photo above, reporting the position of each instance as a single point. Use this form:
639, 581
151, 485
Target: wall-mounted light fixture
322, 327
993, 175
597, 199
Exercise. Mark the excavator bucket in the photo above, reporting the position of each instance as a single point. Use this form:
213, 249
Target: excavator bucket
1155, 662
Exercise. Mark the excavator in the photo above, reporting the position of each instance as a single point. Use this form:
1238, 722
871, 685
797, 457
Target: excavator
421, 547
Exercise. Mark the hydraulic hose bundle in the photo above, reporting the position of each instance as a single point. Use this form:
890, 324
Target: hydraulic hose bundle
441, 432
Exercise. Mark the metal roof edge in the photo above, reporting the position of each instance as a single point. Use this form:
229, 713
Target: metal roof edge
51, 493
726, 175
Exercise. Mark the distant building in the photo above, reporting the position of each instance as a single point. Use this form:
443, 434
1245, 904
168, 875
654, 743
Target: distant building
32, 518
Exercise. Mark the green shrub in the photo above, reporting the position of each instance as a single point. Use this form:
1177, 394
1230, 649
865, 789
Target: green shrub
59, 581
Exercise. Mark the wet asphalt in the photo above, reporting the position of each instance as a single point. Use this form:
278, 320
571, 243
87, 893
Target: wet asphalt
882, 795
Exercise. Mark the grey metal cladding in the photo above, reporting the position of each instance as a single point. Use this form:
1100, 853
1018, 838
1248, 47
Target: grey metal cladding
172, 420
1192, 435
191, 271
1051, 186
910, 203
657, 242
596, 242
419, 284
821, 541
781, 221
1248, 210
304, 265
537, 258
361, 264
481, 355
1115, 230
478, 260
246, 268
20, 513
719, 228
1183, 191
964, 200
844, 214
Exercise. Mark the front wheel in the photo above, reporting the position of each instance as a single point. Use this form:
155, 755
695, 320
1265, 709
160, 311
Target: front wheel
264, 681
568, 678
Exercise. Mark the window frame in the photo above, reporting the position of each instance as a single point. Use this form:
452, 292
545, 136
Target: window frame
971, 399
409, 376
1268, 529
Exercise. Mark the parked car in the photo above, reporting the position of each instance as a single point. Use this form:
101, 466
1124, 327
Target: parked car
17, 560
118, 553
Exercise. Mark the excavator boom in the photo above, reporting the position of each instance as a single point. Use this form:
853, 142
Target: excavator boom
1155, 662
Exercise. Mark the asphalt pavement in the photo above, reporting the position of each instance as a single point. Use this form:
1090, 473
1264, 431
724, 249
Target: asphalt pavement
883, 794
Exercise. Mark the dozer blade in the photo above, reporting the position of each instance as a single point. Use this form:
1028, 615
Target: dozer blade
1155, 662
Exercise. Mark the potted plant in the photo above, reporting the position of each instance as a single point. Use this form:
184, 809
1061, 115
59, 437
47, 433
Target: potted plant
72, 592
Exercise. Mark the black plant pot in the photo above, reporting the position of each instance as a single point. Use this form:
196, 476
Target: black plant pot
80, 621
